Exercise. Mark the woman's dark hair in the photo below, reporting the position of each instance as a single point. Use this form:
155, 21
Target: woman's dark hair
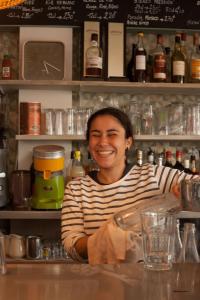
118, 114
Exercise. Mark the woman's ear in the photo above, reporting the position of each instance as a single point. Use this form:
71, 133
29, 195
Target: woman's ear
129, 143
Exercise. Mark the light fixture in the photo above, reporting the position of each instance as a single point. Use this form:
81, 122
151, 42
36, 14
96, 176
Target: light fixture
8, 3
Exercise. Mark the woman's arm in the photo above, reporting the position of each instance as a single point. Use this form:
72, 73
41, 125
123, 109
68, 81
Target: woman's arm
81, 247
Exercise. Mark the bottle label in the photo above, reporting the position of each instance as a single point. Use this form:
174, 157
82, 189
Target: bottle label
159, 67
6, 72
94, 62
178, 68
195, 74
140, 62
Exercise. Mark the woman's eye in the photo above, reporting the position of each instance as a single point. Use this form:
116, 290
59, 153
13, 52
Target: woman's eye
112, 134
95, 134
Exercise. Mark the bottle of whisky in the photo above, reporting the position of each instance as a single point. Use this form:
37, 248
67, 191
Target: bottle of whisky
159, 61
94, 59
195, 60
178, 62
140, 60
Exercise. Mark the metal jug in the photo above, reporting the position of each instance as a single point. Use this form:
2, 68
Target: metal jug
33, 247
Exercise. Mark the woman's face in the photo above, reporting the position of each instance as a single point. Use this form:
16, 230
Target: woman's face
107, 142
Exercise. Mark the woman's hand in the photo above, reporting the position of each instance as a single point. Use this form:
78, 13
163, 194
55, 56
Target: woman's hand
176, 190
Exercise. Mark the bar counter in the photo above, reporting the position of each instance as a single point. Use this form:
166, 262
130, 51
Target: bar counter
106, 282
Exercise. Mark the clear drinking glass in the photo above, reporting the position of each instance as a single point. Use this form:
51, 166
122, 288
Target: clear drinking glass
147, 119
134, 113
69, 127
59, 121
48, 126
176, 118
158, 230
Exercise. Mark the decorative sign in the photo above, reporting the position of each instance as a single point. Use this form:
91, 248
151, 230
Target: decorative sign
133, 13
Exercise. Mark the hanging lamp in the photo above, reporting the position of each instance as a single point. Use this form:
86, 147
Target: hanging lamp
8, 3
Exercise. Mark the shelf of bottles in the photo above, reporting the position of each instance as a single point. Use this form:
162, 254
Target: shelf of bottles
104, 86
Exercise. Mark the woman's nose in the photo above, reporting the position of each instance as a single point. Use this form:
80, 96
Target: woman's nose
103, 139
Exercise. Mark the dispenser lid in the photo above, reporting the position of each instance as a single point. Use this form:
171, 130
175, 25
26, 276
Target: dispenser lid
48, 151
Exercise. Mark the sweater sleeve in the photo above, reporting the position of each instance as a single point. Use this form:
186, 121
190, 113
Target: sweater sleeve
167, 178
72, 228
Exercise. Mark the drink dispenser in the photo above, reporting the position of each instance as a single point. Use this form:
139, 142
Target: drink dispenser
48, 186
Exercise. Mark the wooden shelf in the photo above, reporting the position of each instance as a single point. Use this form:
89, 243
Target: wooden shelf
56, 215
29, 214
103, 86
27, 137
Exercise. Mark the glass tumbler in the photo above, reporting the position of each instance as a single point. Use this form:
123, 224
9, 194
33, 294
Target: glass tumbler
176, 118
69, 127
48, 126
59, 121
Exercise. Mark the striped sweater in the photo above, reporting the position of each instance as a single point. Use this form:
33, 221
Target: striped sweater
88, 204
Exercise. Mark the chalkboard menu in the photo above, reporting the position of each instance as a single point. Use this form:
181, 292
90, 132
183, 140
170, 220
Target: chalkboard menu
183, 14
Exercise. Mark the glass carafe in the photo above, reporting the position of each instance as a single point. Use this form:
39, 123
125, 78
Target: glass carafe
189, 251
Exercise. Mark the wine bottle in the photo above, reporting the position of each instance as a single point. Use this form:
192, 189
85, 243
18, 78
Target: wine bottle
187, 166
178, 165
94, 58
130, 66
140, 60
168, 64
168, 161
185, 53
178, 62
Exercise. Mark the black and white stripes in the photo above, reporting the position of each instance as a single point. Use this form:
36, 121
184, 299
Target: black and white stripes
87, 204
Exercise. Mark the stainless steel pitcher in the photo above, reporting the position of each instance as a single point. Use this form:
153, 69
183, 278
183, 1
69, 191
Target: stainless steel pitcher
33, 247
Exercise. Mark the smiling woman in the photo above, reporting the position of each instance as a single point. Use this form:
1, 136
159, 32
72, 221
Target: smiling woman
91, 201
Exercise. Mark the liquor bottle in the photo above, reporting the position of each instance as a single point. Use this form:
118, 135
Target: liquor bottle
178, 165
178, 62
94, 58
185, 53
6, 67
160, 159
189, 252
195, 60
139, 157
168, 159
130, 66
187, 166
140, 60
168, 64
159, 61
91, 165
193, 165
77, 169
69, 166
151, 157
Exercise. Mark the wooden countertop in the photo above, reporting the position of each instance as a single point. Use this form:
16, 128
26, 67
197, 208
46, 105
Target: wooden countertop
106, 282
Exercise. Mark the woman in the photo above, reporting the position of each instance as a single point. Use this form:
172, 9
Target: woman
91, 200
